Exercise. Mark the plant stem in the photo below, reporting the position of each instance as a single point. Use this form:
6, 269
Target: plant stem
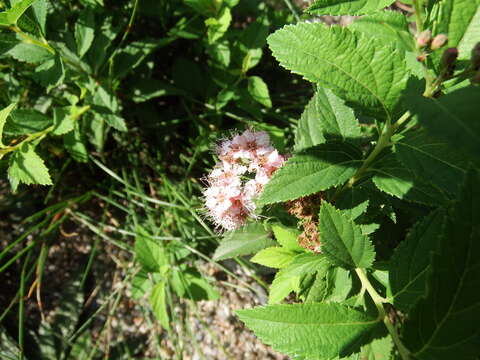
379, 301
417, 4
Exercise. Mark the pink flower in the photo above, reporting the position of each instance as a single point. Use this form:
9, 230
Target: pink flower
247, 164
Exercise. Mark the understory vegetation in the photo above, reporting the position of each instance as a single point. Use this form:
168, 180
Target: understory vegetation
321, 156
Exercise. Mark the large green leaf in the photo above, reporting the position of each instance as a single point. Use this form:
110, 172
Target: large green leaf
393, 178
368, 74
259, 91
432, 160
312, 170
460, 20
452, 118
347, 7
444, 325
275, 257
315, 331
325, 117
27, 167
342, 240
26, 121
30, 53
246, 240
411, 261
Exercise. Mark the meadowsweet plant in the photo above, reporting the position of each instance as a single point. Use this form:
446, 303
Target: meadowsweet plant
376, 215
247, 162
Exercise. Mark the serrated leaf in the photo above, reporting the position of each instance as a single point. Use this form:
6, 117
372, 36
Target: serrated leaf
259, 91
312, 170
394, 179
4, 114
287, 237
316, 331
7, 42
11, 16
274, 257
367, 74
325, 117
432, 160
30, 53
460, 20
73, 142
159, 304
347, 7
389, 27
444, 324
342, 240
282, 285
143, 282
411, 261
27, 167
85, 31
249, 239
63, 121
51, 73
353, 201
452, 118
378, 349
149, 252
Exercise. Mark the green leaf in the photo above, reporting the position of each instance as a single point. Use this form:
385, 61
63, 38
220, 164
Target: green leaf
354, 201
159, 304
4, 113
432, 160
287, 237
219, 25
26, 121
411, 261
378, 349
11, 16
27, 167
347, 7
274, 257
394, 179
40, 9
460, 20
315, 331
63, 121
189, 284
452, 118
248, 239
143, 282
444, 325
7, 42
85, 31
342, 240
389, 27
282, 285
288, 279
73, 142
149, 252
312, 170
30, 53
259, 91
51, 73
325, 117
367, 74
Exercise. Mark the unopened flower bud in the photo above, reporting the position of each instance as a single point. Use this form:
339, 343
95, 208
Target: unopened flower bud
448, 61
476, 57
438, 41
424, 38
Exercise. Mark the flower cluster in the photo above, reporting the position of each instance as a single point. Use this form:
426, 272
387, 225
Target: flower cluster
247, 163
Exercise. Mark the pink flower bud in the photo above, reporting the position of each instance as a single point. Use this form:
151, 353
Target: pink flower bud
438, 41
424, 38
